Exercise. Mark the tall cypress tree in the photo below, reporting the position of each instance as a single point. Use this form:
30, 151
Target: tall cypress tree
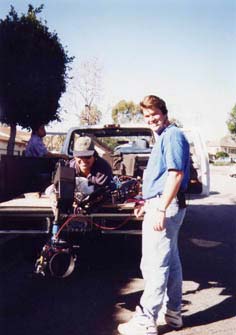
34, 71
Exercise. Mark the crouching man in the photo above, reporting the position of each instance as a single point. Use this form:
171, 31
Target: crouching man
89, 165
91, 171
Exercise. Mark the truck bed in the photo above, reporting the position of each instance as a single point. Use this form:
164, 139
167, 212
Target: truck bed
32, 214
29, 214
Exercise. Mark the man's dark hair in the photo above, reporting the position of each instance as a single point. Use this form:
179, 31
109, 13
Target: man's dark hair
152, 101
36, 127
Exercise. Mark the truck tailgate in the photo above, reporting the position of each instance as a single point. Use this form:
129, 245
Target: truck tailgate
28, 215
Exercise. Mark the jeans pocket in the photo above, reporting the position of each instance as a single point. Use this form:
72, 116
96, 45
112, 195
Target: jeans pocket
172, 210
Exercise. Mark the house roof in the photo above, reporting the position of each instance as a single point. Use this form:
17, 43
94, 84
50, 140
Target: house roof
215, 143
228, 141
21, 136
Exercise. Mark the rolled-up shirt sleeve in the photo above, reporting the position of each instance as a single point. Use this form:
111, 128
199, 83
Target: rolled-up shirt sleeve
99, 179
101, 173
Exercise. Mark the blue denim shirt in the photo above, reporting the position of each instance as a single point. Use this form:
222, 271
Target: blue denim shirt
171, 151
35, 147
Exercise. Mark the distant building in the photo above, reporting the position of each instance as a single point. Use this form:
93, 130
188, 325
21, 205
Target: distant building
21, 140
226, 144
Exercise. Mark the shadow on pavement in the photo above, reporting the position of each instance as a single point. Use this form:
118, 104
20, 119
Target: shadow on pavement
84, 303
221, 311
208, 252
208, 244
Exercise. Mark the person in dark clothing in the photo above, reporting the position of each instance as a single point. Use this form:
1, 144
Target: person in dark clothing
91, 171
88, 164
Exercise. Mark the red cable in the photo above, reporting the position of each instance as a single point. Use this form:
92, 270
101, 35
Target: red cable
93, 223
64, 224
111, 228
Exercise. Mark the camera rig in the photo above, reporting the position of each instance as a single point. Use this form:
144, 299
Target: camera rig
58, 256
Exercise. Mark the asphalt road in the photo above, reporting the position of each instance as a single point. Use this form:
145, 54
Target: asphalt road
106, 285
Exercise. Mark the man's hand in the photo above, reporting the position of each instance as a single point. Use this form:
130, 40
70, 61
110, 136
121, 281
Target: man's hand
171, 188
160, 221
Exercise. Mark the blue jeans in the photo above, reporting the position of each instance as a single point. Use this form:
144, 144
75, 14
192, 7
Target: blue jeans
160, 265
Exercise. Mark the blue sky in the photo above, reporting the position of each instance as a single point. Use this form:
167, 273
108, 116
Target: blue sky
183, 51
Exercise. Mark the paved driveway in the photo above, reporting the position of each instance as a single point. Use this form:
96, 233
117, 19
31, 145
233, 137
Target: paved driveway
106, 287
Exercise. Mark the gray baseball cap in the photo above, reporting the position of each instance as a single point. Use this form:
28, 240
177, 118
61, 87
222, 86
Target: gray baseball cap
83, 147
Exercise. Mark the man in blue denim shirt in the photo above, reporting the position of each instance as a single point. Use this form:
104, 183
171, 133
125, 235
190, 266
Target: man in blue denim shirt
166, 178
36, 147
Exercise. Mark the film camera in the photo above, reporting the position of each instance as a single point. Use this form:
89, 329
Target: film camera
74, 197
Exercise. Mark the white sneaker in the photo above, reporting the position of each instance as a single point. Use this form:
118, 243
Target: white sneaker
161, 316
161, 320
137, 326
174, 319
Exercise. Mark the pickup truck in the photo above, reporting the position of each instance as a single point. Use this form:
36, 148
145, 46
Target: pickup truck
127, 149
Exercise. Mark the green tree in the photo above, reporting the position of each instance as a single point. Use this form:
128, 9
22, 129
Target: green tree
126, 111
222, 154
54, 142
34, 71
231, 123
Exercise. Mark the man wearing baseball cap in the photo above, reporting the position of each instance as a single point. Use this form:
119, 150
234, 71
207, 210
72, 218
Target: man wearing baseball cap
88, 164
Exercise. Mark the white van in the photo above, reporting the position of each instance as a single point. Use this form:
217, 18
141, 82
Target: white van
199, 169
